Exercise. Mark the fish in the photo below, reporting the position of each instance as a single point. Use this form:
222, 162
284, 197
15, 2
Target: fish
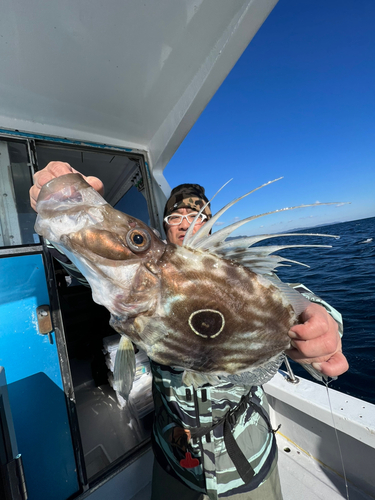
213, 307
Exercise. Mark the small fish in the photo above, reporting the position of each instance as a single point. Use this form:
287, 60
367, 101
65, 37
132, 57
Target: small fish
213, 307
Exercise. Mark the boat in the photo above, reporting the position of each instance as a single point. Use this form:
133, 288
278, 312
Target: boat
113, 88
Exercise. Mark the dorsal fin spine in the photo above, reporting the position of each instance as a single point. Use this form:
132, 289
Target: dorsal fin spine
191, 239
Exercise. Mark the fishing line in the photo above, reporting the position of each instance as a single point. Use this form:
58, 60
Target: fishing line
326, 383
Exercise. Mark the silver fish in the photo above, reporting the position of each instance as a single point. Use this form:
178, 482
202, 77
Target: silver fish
213, 307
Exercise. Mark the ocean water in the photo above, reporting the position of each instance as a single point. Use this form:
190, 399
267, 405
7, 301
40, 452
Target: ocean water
344, 276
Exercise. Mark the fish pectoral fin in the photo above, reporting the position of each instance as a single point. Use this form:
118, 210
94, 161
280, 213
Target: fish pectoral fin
296, 299
124, 370
150, 329
198, 379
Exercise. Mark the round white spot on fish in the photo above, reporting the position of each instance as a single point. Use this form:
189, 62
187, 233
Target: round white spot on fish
207, 323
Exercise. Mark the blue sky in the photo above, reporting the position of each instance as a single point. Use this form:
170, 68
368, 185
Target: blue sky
299, 103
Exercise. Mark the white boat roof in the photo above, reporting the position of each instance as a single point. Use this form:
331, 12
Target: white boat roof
123, 73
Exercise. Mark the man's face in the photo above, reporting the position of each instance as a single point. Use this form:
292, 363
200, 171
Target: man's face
176, 234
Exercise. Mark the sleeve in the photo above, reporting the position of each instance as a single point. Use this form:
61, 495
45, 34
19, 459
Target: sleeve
69, 267
299, 287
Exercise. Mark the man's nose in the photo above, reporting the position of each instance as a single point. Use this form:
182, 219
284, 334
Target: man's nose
184, 224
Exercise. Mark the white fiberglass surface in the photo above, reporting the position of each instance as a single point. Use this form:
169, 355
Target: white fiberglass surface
328, 436
302, 477
117, 70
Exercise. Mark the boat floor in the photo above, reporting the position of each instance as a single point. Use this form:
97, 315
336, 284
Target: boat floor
300, 477
303, 477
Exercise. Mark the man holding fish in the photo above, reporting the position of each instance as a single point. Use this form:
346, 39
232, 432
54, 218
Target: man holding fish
215, 438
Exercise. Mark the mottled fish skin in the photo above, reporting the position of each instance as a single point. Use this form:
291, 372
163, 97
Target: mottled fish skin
243, 322
185, 307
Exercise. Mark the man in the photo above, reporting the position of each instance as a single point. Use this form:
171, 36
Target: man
218, 439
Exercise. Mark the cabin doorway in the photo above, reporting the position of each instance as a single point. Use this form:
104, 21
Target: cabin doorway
72, 429
110, 429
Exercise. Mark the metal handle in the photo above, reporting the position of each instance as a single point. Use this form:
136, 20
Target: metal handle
44, 319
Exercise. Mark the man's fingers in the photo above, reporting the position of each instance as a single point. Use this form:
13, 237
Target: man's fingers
95, 183
33, 196
334, 366
52, 170
56, 169
314, 322
312, 328
324, 345
317, 341
296, 355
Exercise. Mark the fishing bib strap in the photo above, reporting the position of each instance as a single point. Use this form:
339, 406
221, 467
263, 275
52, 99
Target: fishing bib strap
239, 460
244, 469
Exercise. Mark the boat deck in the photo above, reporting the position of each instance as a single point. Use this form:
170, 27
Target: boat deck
301, 477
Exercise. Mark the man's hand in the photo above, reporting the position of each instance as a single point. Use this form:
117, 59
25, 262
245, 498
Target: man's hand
56, 169
317, 341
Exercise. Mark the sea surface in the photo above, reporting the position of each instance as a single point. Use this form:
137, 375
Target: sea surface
344, 276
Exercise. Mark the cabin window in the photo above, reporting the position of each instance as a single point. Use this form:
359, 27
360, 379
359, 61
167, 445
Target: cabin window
17, 218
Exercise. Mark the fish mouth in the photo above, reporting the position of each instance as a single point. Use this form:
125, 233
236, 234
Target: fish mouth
100, 242
84, 222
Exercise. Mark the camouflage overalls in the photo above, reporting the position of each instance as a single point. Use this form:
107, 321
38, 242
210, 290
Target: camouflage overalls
181, 412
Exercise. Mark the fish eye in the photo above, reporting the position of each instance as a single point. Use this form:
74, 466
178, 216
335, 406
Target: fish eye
138, 240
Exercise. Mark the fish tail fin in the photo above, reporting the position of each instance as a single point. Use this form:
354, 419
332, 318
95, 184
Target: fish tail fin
124, 370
